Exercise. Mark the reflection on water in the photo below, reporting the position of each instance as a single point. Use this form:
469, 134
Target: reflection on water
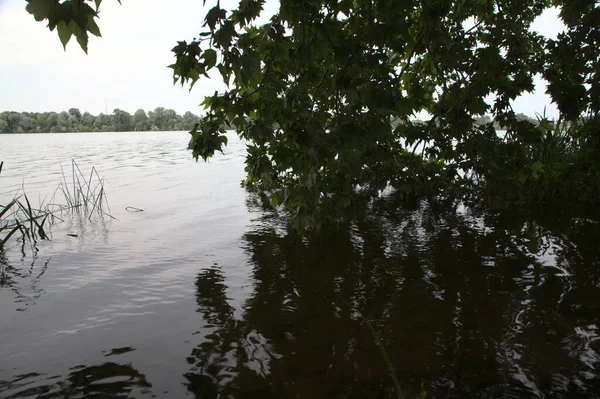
465, 306
233, 359
107, 380
204, 296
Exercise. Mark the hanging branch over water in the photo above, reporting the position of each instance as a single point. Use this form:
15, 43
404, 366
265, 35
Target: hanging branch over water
314, 90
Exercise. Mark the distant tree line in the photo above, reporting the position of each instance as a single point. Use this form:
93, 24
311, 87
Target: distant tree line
161, 119
480, 120
519, 117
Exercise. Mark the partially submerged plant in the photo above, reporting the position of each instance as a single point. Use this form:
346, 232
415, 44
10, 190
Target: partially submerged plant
19, 216
83, 195
86, 196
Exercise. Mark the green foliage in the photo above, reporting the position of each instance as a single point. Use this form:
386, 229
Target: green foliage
207, 141
73, 121
69, 17
574, 58
314, 90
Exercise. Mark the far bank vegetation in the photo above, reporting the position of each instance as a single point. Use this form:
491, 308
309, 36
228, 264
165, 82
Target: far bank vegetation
161, 119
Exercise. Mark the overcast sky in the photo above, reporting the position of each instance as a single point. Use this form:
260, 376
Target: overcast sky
127, 67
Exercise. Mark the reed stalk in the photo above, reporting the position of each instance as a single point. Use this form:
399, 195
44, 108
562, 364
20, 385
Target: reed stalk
81, 195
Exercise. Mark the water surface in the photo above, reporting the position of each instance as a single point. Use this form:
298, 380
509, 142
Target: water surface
206, 295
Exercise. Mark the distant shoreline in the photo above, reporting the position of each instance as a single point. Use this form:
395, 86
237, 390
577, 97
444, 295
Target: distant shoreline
75, 121
127, 131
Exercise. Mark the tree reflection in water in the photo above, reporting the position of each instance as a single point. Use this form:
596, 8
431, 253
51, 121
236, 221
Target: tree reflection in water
108, 380
465, 305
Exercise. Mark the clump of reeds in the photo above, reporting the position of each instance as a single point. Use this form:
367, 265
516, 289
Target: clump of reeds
81, 195
19, 216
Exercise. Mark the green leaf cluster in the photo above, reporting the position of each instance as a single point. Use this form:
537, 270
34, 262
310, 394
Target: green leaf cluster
68, 17
314, 92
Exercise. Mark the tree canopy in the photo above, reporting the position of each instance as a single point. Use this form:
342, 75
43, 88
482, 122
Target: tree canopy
314, 91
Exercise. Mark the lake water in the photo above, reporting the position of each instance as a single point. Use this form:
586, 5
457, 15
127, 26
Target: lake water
204, 294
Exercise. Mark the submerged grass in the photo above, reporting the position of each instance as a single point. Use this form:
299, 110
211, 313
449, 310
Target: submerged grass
386, 359
384, 354
83, 196
19, 216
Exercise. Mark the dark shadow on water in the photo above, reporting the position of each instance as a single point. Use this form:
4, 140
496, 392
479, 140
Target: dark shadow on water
233, 360
119, 351
464, 304
107, 380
